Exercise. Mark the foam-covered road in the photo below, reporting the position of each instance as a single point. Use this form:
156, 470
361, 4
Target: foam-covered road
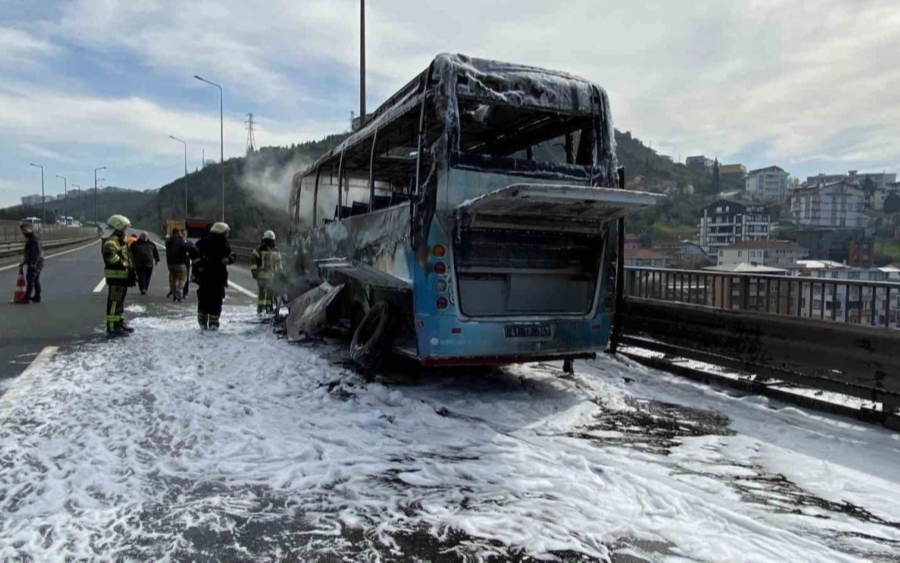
181, 445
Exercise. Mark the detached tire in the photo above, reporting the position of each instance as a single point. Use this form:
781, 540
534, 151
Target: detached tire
374, 336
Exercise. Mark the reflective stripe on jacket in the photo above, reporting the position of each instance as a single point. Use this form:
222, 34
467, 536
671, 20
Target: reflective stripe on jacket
265, 261
116, 258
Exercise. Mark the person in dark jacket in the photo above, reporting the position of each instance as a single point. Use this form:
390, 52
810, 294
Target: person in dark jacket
33, 261
177, 258
211, 257
145, 258
187, 284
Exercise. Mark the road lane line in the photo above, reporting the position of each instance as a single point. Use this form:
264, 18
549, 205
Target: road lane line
13, 266
23, 383
243, 290
100, 286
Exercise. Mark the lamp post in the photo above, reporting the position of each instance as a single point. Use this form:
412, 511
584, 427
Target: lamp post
185, 175
96, 217
221, 137
43, 199
362, 63
65, 198
79, 189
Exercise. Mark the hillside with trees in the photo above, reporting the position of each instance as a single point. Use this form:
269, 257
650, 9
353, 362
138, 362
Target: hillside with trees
257, 192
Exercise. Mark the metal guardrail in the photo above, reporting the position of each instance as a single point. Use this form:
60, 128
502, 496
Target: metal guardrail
243, 249
8, 249
874, 303
771, 326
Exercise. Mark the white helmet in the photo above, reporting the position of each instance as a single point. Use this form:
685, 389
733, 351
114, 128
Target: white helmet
220, 228
118, 223
269, 235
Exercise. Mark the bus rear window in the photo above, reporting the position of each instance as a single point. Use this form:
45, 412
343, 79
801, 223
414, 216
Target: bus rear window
501, 131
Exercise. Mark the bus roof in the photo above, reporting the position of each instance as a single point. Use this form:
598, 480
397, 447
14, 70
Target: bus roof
482, 79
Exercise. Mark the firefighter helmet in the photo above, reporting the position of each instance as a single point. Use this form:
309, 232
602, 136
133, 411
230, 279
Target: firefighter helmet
220, 228
118, 223
269, 235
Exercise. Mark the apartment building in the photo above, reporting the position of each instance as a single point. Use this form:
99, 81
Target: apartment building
768, 185
770, 253
726, 222
840, 204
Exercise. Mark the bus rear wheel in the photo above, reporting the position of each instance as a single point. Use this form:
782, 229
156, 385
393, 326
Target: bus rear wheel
374, 336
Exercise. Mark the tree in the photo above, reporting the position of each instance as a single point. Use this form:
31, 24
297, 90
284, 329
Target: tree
892, 203
868, 186
716, 185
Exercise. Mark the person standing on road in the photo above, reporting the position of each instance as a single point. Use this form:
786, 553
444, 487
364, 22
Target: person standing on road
118, 270
187, 284
211, 257
177, 258
145, 258
33, 261
264, 264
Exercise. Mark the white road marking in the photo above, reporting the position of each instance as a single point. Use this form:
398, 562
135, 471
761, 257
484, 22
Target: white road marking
23, 383
243, 290
100, 286
13, 266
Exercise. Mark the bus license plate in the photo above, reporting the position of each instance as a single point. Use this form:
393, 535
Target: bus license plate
528, 331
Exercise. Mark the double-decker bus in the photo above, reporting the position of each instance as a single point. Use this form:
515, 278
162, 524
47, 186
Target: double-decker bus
470, 219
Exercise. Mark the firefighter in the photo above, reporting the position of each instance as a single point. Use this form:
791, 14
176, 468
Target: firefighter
211, 257
118, 270
264, 264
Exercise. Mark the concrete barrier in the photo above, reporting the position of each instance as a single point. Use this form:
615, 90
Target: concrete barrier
855, 360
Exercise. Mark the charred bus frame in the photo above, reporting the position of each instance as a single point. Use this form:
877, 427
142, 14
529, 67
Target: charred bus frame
481, 199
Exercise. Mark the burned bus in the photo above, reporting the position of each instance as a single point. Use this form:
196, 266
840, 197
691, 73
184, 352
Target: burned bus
469, 220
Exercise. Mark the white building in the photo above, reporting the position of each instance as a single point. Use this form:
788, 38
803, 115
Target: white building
646, 258
835, 205
852, 303
727, 222
880, 179
771, 253
881, 194
768, 184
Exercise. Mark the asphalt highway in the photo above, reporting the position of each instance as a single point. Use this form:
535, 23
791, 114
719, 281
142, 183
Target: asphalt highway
72, 310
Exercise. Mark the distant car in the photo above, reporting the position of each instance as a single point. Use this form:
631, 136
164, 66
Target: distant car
34, 222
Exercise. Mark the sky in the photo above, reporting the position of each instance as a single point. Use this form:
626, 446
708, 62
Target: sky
809, 85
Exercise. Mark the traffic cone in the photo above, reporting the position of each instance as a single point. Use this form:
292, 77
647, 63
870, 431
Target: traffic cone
19, 294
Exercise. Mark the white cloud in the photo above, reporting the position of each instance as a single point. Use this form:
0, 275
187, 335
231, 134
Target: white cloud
777, 80
18, 47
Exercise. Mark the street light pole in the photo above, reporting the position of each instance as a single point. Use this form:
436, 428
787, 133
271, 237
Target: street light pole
362, 63
221, 137
79, 188
96, 217
43, 199
65, 198
185, 175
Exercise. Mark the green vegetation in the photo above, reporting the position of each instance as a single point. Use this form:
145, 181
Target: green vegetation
887, 252
257, 192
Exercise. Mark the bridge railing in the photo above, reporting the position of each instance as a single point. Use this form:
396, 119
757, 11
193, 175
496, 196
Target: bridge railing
874, 303
825, 334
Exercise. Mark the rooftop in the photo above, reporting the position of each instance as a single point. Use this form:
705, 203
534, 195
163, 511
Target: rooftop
764, 245
766, 169
645, 254
822, 265
746, 267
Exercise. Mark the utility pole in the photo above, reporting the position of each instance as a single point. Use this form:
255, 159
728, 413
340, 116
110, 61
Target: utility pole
221, 138
362, 63
251, 139
79, 189
185, 177
65, 198
43, 198
96, 217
